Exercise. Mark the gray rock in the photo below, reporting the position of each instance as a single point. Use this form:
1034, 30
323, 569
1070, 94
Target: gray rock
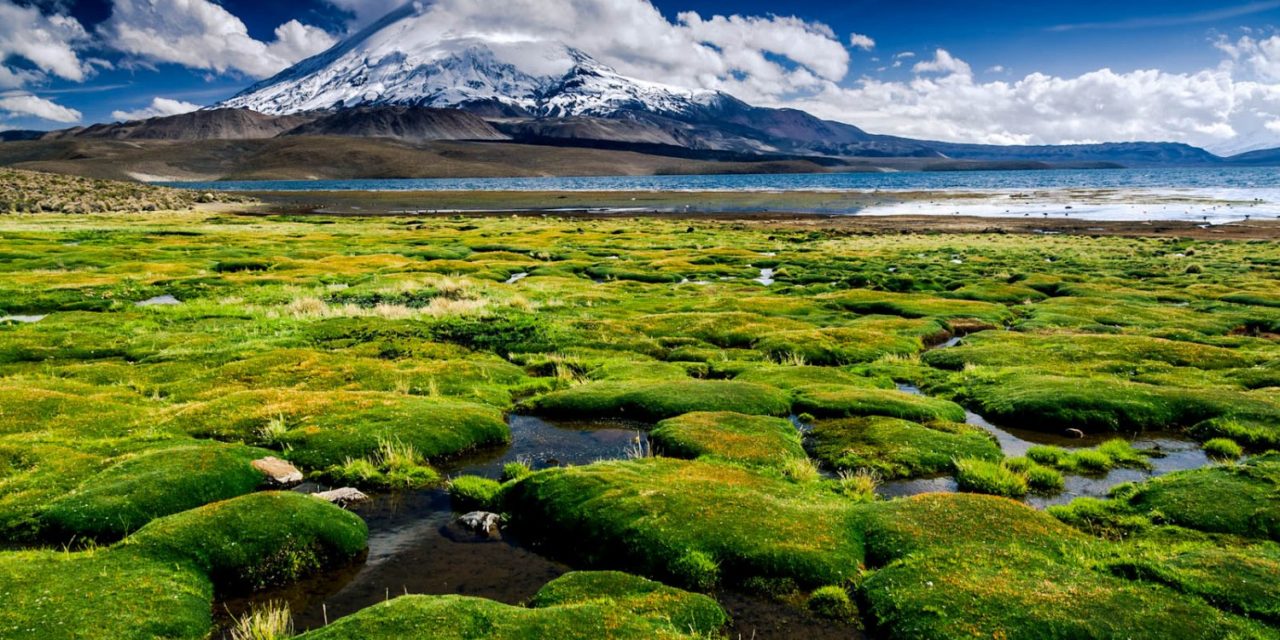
482, 522
278, 472
342, 497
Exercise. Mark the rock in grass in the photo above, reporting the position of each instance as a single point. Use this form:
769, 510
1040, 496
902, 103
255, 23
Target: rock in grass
897, 448
754, 440
344, 497
278, 472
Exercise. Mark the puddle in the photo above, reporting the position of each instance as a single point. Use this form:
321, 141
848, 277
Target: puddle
415, 547
766, 277
21, 319
160, 301
1176, 453
759, 617
543, 443
516, 278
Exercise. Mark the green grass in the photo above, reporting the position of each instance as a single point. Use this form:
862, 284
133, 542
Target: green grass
1105, 457
653, 513
577, 605
115, 593
991, 478
160, 582
367, 350
1238, 500
255, 541
843, 401
1223, 449
896, 448
736, 437
472, 493
328, 428
659, 400
150, 484
1018, 594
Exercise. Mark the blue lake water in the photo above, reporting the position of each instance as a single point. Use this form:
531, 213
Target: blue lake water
1216, 180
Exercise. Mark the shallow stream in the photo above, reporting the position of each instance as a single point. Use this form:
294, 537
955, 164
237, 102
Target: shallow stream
416, 547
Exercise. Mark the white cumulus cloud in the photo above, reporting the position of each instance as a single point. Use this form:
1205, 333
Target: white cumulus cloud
47, 42
1210, 108
945, 63
200, 34
159, 107
860, 41
35, 106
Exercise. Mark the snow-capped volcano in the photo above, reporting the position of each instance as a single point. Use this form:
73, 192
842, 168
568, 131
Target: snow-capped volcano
405, 59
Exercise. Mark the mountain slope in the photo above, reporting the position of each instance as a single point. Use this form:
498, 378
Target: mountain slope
210, 124
413, 124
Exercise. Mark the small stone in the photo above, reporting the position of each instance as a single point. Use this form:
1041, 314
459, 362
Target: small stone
481, 522
342, 497
278, 471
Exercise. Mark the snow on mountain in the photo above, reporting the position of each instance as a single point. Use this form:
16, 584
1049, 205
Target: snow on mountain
405, 59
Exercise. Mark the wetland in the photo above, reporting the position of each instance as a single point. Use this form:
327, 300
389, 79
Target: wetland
683, 426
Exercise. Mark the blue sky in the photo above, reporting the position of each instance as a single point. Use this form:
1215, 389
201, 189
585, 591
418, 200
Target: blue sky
128, 53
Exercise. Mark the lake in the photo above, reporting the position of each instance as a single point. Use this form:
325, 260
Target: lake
1226, 181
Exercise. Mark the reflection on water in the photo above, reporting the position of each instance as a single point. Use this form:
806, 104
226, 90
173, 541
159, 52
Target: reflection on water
1170, 452
542, 444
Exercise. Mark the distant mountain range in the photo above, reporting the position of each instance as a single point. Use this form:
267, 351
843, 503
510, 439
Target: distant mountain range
403, 81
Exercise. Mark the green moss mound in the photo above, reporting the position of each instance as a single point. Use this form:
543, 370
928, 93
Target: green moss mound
473, 493
1241, 499
115, 593
992, 478
257, 540
796, 377
896, 448
652, 513
909, 305
151, 484
1240, 579
323, 429
1019, 594
753, 440
160, 582
843, 402
687, 612
1015, 349
1098, 405
658, 400
839, 345
928, 523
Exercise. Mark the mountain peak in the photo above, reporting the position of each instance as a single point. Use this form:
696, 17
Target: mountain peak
404, 59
